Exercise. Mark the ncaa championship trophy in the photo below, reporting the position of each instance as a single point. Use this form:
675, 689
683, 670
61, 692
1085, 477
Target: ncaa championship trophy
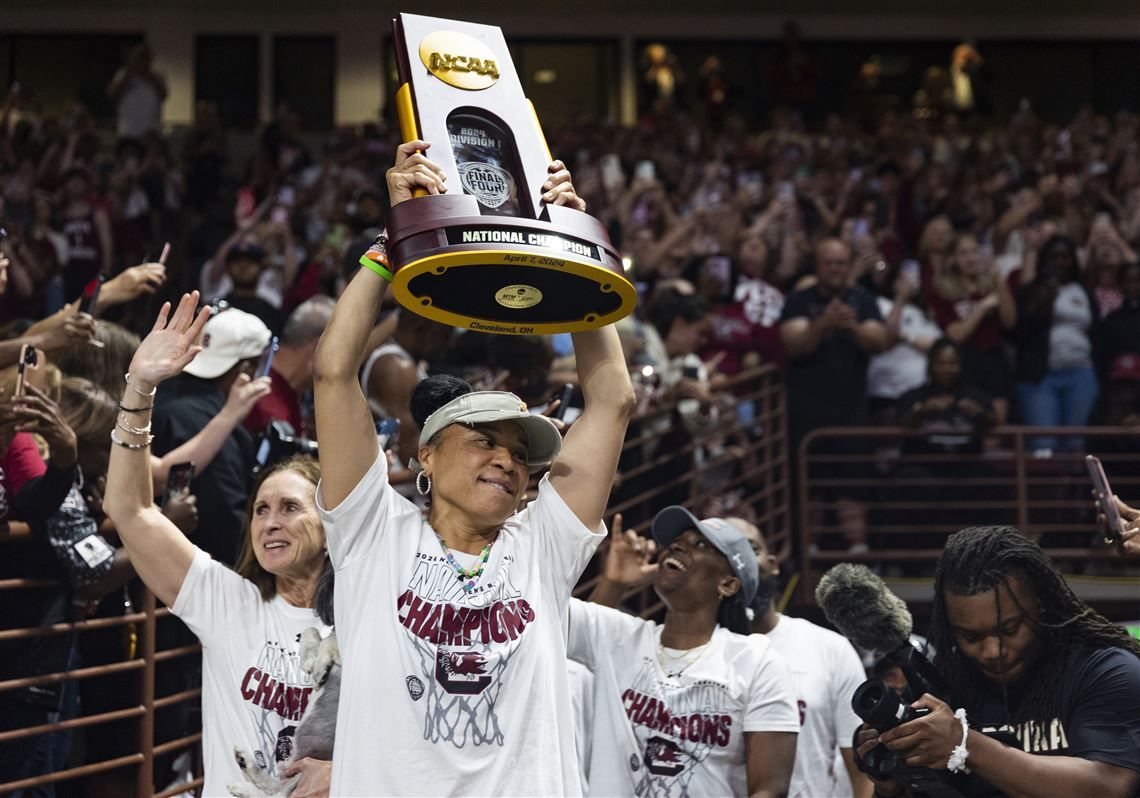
492, 257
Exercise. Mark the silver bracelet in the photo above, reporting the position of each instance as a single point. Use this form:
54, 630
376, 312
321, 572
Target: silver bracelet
115, 439
126, 426
153, 390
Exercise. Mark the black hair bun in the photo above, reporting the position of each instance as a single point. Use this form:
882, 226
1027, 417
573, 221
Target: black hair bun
433, 393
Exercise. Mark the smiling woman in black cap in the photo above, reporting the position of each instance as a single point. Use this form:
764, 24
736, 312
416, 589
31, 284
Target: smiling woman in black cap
694, 706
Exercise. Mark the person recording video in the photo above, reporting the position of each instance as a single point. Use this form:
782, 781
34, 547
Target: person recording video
1020, 654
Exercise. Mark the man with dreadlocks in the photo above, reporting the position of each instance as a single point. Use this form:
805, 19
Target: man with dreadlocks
1021, 654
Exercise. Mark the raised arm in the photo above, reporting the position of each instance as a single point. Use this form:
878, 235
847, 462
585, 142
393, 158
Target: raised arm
160, 553
345, 433
584, 472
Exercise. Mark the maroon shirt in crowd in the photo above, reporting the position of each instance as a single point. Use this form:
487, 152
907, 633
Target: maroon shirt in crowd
281, 403
988, 335
22, 463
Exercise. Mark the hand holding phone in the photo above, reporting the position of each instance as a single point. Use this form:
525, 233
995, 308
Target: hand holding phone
645, 171
91, 296
29, 370
178, 480
564, 397
1103, 492
266, 361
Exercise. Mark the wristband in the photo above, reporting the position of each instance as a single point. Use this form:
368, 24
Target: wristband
958, 756
376, 267
375, 258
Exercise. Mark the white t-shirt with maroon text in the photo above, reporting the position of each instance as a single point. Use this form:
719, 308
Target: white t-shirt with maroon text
444, 692
253, 689
827, 671
655, 734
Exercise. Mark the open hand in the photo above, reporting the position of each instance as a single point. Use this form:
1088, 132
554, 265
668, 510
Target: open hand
170, 345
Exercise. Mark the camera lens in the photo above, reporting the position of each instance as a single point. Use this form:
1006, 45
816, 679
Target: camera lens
878, 705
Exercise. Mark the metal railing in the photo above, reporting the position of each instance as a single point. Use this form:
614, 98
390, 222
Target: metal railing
876, 486
141, 705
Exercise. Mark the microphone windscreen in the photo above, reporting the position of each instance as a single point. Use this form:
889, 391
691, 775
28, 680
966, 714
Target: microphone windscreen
863, 609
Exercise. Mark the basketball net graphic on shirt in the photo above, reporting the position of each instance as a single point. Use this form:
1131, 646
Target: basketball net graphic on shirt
276, 688
681, 720
464, 644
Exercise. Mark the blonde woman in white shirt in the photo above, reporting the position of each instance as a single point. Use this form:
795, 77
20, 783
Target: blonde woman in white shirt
249, 621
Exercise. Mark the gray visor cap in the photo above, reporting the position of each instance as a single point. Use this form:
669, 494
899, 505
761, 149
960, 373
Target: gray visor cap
544, 441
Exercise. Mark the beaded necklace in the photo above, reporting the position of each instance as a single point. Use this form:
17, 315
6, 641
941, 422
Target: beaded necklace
468, 576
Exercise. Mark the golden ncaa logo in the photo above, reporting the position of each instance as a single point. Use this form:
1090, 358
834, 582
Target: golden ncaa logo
459, 60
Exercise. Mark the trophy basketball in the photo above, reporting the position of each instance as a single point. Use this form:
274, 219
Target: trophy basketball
490, 255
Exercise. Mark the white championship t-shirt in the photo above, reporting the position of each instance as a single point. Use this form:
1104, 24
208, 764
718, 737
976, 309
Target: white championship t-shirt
826, 670
445, 693
660, 735
253, 690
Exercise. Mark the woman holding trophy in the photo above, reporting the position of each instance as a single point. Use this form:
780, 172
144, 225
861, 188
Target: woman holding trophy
452, 627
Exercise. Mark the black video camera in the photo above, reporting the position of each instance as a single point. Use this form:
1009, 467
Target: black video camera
279, 442
882, 709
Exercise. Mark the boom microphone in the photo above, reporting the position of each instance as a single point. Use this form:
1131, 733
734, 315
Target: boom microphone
867, 613
864, 610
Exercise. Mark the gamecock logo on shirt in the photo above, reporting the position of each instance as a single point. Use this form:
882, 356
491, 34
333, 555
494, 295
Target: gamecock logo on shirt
461, 672
663, 757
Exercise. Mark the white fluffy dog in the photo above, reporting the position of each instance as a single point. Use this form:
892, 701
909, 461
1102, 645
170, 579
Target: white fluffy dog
316, 731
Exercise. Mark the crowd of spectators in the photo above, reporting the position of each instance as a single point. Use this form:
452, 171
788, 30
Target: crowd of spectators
938, 269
